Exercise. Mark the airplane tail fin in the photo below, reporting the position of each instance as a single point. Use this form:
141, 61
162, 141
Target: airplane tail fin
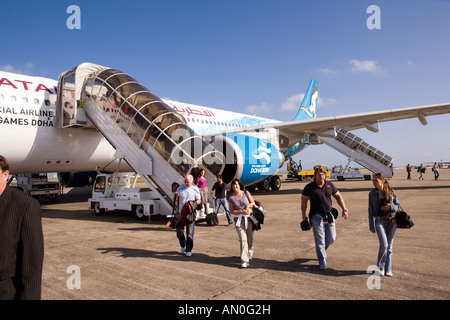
307, 108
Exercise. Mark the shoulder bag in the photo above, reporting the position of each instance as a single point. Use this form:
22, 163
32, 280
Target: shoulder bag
403, 219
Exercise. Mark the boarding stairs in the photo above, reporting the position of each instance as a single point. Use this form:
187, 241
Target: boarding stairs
356, 149
153, 139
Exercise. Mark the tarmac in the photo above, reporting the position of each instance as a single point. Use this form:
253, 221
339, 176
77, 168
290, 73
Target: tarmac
117, 257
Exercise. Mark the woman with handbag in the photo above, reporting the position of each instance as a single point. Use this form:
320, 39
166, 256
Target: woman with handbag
240, 203
383, 204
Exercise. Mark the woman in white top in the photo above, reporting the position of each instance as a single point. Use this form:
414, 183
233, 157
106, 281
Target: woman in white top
240, 203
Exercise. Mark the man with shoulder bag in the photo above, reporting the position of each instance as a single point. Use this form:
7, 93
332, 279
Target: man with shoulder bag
319, 194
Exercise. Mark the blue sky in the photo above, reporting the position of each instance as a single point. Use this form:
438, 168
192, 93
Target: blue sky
257, 57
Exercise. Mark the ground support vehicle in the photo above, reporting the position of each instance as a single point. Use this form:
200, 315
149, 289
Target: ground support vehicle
114, 192
309, 174
38, 186
339, 173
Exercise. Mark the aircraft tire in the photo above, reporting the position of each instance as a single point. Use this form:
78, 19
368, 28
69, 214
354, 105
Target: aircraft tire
264, 185
275, 183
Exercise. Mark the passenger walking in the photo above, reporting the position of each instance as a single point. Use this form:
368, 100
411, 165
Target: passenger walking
240, 204
421, 171
408, 170
220, 197
383, 204
202, 185
21, 242
185, 193
436, 171
319, 194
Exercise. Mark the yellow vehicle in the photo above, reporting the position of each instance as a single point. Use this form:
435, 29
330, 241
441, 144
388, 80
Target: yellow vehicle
309, 174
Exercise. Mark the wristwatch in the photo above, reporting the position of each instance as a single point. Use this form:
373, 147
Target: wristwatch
345, 210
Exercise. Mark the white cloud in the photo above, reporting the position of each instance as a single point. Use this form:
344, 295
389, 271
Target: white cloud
258, 109
327, 71
293, 102
26, 69
365, 66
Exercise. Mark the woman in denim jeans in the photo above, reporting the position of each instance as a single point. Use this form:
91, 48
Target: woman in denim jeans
383, 204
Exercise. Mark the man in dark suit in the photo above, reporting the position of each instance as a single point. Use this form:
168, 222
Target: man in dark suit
21, 242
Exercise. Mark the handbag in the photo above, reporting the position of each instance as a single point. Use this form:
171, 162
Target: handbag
211, 219
304, 225
403, 219
175, 221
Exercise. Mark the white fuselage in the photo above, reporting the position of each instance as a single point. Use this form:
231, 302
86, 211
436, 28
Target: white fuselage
32, 143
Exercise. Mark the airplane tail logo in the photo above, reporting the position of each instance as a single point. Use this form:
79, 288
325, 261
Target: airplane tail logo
308, 106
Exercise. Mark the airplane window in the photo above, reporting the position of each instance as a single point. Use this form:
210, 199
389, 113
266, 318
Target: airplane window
13, 98
25, 100
47, 102
36, 101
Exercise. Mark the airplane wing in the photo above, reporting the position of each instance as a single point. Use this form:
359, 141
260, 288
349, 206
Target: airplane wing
368, 120
296, 130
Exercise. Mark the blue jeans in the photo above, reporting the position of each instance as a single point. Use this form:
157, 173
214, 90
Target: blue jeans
324, 235
223, 201
436, 174
386, 237
189, 243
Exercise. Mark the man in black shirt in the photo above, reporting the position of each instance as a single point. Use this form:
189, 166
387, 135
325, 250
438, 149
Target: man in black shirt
319, 194
220, 197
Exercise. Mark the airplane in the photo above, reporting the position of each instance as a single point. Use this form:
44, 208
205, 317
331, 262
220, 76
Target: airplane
33, 141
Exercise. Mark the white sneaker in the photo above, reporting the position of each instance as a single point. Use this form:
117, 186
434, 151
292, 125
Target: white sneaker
389, 274
188, 254
182, 250
244, 265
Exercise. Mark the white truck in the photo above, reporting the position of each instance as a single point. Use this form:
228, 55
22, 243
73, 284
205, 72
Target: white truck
114, 191
38, 186
339, 173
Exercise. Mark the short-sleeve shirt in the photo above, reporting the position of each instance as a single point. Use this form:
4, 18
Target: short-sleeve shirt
320, 197
239, 204
187, 194
220, 189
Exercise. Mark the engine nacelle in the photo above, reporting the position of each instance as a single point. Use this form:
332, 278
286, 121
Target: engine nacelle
76, 179
248, 158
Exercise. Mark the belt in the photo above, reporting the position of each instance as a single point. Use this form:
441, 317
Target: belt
384, 218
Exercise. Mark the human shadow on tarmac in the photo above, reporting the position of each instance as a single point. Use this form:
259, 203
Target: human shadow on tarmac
296, 265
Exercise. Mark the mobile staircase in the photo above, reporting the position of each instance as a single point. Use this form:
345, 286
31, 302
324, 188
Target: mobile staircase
356, 149
153, 139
